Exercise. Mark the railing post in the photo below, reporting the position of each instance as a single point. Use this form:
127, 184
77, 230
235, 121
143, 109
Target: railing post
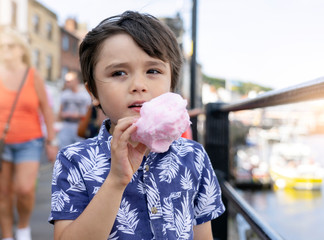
217, 147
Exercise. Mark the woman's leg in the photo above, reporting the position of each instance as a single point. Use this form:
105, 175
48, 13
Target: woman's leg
25, 184
6, 199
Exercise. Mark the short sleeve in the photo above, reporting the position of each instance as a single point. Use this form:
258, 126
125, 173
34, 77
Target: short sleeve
208, 202
69, 196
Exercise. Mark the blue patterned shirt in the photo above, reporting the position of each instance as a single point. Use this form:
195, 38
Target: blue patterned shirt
169, 193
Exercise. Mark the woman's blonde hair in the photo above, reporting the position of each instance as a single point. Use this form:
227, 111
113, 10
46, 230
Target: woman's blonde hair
19, 39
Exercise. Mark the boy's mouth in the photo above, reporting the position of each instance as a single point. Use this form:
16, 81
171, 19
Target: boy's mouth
136, 105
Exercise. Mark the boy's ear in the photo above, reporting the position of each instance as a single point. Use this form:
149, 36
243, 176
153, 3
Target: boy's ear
95, 101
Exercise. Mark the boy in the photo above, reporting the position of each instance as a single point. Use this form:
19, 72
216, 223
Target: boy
111, 187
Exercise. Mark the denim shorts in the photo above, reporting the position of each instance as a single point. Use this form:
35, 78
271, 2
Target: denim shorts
26, 151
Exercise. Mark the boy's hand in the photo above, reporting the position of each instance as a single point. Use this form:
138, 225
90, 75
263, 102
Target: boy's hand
126, 156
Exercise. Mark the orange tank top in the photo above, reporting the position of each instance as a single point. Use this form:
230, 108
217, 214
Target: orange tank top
25, 123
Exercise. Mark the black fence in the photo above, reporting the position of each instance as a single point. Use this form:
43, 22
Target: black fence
217, 146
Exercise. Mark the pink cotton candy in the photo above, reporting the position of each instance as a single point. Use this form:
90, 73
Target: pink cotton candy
163, 120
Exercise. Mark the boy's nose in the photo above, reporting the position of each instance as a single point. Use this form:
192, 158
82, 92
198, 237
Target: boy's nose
139, 84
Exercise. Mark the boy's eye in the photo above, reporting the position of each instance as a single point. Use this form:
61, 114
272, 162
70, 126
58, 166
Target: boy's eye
153, 71
118, 73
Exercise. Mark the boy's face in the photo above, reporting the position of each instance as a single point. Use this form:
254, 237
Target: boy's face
126, 77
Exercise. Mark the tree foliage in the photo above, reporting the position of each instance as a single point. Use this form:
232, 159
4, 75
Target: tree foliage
216, 82
237, 86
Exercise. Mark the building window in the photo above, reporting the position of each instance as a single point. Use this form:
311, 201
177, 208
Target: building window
49, 31
49, 63
75, 48
14, 14
65, 43
36, 23
36, 58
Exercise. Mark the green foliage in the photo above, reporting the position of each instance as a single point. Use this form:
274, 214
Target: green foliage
246, 87
216, 82
237, 86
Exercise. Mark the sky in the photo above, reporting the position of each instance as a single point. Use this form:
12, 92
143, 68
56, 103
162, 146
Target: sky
274, 43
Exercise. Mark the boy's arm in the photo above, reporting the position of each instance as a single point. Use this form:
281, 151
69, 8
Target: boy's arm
203, 231
97, 220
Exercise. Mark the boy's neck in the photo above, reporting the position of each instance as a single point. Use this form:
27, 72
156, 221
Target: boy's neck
111, 129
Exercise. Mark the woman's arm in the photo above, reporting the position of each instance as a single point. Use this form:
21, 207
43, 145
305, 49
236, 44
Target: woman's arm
48, 115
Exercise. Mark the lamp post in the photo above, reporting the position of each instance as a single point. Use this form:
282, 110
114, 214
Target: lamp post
193, 68
193, 62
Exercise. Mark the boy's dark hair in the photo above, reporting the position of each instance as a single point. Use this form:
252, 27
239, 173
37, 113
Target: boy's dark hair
155, 38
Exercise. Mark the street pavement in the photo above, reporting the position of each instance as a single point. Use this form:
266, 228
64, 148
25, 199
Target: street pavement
41, 229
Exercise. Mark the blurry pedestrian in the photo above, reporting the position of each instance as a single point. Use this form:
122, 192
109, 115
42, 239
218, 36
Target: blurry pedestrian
24, 142
90, 124
74, 105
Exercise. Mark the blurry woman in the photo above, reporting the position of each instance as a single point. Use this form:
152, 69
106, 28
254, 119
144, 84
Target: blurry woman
24, 142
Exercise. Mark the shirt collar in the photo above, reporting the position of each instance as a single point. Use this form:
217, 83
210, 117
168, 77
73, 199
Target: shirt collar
104, 137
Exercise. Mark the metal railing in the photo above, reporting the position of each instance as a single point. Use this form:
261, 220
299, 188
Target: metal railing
262, 229
217, 147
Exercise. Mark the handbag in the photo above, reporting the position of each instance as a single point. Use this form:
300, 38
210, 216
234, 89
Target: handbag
6, 128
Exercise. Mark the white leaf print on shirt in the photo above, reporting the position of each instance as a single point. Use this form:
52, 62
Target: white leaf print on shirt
184, 149
59, 198
134, 176
206, 200
141, 187
108, 142
127, 218
169, 165
153, 197
73, 149
72, 209
183, 220
168, 215
199, 161
93, 167
57, 170
95, 190
219, 210
112, 236
75, 180
168, 212
186, 181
